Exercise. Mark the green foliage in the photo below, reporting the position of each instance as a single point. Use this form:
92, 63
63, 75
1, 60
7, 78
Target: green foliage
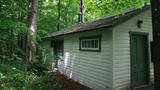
49, 81
14, 73
13, 17
17, 9
38, 67
69, 9
15, 77
99, 8
10, 28
48, 16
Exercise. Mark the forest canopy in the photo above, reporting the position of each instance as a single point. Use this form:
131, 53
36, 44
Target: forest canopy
18, 18
69, 10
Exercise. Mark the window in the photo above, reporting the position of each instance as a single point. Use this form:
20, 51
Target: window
92, 43
58, 49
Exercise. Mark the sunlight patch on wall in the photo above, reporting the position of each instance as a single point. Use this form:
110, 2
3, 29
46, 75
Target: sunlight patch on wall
67, 54
72, 63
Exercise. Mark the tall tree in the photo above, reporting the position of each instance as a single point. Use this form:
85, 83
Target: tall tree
59, 15
32, 24
155, 4
81, 14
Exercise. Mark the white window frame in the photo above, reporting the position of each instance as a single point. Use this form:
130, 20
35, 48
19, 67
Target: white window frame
95, 47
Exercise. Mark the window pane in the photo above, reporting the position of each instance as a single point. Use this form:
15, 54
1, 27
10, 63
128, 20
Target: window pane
83, 44
89, 44
92, 44
96, 43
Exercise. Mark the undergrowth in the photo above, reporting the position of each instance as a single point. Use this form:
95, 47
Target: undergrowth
16, 75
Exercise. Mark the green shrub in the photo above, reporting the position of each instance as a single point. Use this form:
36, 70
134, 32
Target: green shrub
46, 82
16, 75
20, 80
16, 79
38, 67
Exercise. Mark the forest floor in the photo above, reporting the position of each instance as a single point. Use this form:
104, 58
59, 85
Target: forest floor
146, 88
70, 84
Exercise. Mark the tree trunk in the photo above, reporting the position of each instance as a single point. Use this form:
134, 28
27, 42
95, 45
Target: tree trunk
155, 4
59, 15
81, 14
32, 24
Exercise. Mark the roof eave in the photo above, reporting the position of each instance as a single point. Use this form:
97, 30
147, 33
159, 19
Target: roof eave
106, 26
114, 22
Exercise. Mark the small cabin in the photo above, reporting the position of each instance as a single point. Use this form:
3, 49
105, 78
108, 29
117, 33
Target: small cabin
112, 53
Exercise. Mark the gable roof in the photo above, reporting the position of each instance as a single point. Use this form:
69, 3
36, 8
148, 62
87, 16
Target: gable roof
107, 22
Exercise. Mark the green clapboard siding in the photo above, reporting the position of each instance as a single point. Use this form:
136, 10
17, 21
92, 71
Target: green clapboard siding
139, 60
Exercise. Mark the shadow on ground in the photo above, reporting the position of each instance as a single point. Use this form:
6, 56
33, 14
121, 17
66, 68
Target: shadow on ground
146, 88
